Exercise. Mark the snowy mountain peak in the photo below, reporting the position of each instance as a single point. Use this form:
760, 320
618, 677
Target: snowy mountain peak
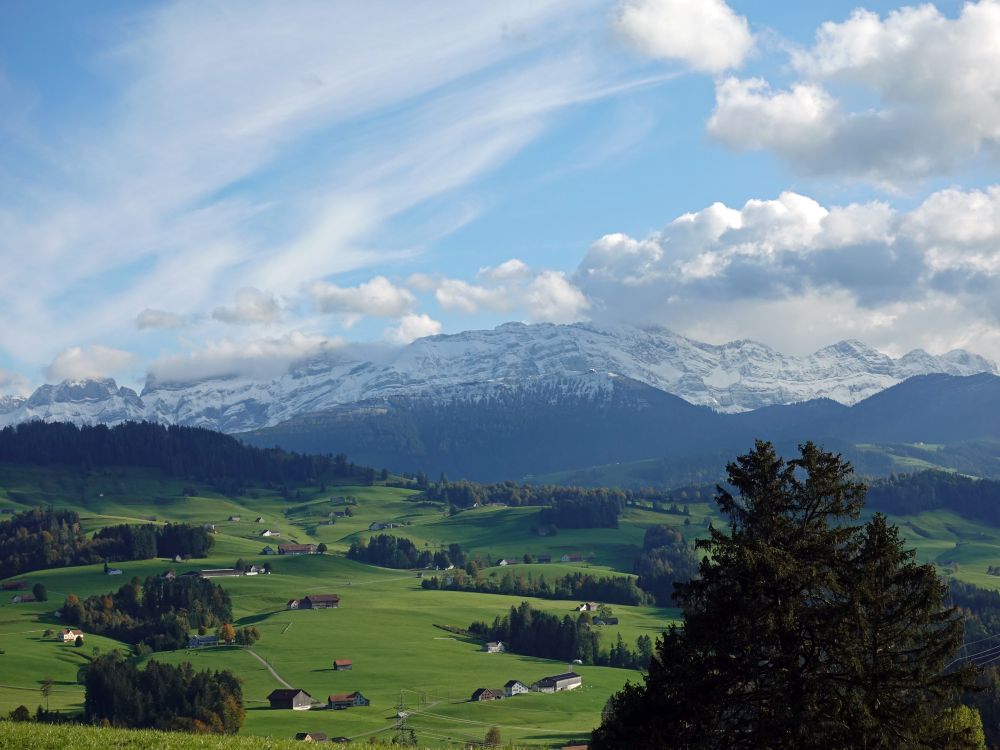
576, 360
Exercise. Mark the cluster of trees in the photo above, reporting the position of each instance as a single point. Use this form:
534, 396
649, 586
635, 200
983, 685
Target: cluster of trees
666, 559
178, 451
598, 509
246, 636
48, 538
156, 614
162, 696
526, 630
931, 490
803, 629
391, 551
131, 542
610, 589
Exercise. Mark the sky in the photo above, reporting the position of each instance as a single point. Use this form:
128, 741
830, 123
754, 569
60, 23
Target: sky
198, 189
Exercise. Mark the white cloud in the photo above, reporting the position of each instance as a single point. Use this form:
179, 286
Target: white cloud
97, 361
553, 299
256, 358
721, 269
886, 100
251, 306
510, 270
705, 35
150, 318
411, 327
455, 294
378, 297
11, 383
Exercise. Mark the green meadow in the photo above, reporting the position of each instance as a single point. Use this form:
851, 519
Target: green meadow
396, 633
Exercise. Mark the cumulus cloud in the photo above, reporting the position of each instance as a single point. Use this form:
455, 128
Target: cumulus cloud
150, 318
411, 327
251, 306
884, 269
378, 298
933, 81
97, 361
458, 295
257, 358
552, 298
705, 35
513, 269
13, 383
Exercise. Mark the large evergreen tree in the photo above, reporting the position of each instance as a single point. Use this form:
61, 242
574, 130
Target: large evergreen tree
803, 629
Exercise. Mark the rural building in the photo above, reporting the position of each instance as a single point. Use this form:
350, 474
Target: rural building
268, 532
198, 641
376, 526
485, 694
504, 561
168, 576
290, 698
588, 607
70, 636
259, 519
178, 558
219, 572
493, 647
293, 604
558, 683
23, 598
15, 585
114, 572
253, 570
234, 518
346, 700
311, 736
208, 526
342, 665
514, 687
339, 514
574, 557
544, 558
321, 601
268, 551
605, 620
296, 549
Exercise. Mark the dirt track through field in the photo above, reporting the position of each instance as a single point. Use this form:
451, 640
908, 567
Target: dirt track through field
270, 669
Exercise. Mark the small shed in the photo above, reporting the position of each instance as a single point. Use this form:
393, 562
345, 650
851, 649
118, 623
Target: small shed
311, 736
346, 700
290, 698
343, 665
493, 647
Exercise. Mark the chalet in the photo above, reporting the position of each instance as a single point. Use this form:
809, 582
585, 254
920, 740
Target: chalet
209, 527
293, 604
15, 585
178, 558
514, 687
342, 665
23, 599
219, 572
588, 607
199, 641
485, 694
311, 736
168, 576
114, 572
254, 570
321, 601
268, 551
544, 558
571, 558
259, 519
505, 561
296, 549
493, 647
290, 698
346, 700
558, 683
269, 532
234, 518
70, 636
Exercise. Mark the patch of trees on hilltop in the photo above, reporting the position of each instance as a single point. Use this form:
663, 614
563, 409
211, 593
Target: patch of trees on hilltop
977, 499
609, 589
666, 559
156, 614
162, 696
390, 551
48, 538
178, 451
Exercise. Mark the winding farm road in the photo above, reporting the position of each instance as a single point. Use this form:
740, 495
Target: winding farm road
270, 669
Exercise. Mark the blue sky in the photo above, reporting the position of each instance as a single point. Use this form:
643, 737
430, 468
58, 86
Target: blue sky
193, 189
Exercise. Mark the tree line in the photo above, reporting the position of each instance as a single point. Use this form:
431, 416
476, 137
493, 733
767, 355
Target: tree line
156, 614
666, 558
610, 589
177, 451
932, 490
162, 696
43, 538
531, 632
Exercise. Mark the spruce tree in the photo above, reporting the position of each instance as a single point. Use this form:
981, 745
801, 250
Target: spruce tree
803, 629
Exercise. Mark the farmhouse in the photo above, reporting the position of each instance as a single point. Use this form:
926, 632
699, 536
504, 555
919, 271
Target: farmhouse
70, 636
346, 700
605, 620
504, 561
290, 698
311, 736
315, 601
296, 549
259, 519
514, 687
113, 572
558, 683
544, 558
268, 551
208, 527
168, 576
574, 557
269, 532
493, 647
23, 599
342, 665
234, 518
339, 514
588, 607
376, 526
219, 572
14, 585
198, 641
485, 694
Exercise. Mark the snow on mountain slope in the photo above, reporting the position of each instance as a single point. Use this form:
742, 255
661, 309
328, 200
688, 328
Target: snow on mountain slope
733, 377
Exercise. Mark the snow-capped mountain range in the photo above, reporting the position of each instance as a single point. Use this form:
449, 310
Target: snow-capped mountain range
733, 377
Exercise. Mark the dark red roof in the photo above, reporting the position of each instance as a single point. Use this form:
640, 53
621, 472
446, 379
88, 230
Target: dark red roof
322, 598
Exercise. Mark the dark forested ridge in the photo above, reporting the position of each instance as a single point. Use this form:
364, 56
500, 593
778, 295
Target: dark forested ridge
977, 499
177, 451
